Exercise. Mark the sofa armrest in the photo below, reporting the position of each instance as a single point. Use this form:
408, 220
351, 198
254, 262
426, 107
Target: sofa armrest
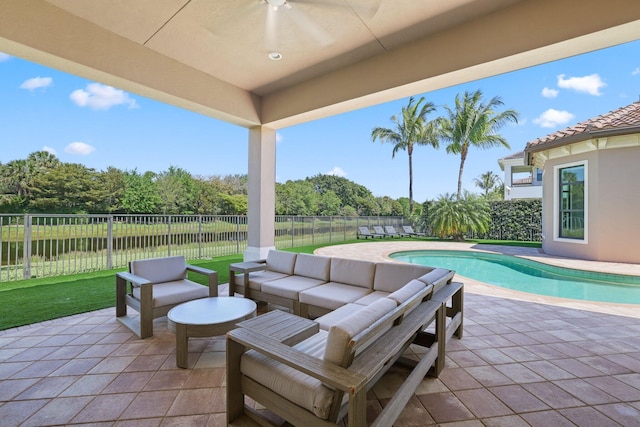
329, 373
212, 278
136, 281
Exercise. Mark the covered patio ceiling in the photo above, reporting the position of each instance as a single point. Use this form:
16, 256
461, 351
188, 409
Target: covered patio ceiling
212, 56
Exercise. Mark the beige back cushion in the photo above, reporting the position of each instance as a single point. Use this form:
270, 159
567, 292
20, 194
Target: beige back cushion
314, 266
407, 291
160, 270
352, 272
438, 277
341, 334
281, 261
391, 276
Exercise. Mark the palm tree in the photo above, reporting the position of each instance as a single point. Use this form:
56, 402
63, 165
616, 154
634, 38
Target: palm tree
411, 128
43, 160
451, 216
16, 177
487, 182
472, 123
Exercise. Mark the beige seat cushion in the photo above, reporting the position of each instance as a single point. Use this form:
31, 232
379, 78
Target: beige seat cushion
341, 334
352, 272
257, 278
332, 295
290, 286
175, 292
281, 261
371, 298
391, 276
159, 270
293, 385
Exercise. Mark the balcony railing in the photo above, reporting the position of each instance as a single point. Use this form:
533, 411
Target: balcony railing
53, 245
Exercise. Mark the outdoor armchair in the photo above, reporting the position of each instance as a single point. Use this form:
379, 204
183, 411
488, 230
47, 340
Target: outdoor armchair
152, 287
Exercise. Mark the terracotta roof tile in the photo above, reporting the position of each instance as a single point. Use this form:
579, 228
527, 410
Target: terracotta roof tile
628, 116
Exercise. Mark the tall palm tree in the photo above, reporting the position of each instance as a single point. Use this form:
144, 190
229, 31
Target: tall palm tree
474, 123
487, 181
43, 160
411, 128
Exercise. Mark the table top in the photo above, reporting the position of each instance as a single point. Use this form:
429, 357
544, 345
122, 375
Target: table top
284, 327
247, 266
212, 310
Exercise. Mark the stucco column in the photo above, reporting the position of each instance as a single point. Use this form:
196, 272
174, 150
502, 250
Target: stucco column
262, 192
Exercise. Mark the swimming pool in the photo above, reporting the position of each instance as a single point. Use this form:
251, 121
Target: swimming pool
530, 276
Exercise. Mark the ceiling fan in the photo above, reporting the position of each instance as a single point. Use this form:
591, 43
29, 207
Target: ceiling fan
285, 21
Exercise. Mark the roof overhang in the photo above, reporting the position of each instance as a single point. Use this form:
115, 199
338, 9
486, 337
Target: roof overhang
147, 47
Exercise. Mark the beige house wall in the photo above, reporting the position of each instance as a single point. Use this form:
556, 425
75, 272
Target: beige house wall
613, 200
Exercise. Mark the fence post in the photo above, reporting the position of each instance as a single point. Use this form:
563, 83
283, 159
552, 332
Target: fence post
344, 228
26, 247
199, 236
169, 235
330, 229
109, 242
238, 234
293, 225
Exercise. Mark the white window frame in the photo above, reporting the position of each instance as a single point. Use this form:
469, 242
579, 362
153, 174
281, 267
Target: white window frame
556, 202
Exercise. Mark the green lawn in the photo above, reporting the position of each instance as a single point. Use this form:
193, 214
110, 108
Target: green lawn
30, 301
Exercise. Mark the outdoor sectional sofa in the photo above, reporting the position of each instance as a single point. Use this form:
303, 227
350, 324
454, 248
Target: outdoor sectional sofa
370, 313
316, 285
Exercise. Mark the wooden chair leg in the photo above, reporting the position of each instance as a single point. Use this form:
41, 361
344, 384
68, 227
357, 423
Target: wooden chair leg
235, 398
121, 293
457, 305
146, 311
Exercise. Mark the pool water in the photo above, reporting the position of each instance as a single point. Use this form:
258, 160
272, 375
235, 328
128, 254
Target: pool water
530, 276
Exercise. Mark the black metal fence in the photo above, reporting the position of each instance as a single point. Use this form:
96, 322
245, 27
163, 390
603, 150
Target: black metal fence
52, 245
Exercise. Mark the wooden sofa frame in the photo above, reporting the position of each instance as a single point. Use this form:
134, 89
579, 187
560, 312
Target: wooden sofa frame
368, 357
143, 327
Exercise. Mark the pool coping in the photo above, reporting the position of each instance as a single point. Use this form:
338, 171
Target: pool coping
381, 251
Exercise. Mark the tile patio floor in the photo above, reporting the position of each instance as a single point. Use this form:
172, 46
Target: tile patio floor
521, 362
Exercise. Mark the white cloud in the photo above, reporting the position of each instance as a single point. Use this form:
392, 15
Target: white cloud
590, 84
553, 118
4, 57
635, 72
79, 148
49, 150
36, 83
550, 93
337, 171
101, 97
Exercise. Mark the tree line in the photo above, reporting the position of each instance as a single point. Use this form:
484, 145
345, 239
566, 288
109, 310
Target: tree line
42, 183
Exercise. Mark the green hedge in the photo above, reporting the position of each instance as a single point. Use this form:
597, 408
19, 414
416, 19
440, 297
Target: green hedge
515, 220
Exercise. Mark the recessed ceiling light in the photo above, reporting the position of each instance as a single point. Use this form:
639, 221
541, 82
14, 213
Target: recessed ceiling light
276, 56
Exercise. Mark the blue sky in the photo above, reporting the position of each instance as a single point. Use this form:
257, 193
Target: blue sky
83, 121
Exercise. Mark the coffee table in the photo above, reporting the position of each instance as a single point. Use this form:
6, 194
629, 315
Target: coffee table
206, 317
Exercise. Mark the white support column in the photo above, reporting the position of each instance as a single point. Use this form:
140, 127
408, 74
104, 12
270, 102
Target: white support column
262, 192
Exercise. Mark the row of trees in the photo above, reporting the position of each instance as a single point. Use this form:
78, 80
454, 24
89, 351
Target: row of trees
42, 183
